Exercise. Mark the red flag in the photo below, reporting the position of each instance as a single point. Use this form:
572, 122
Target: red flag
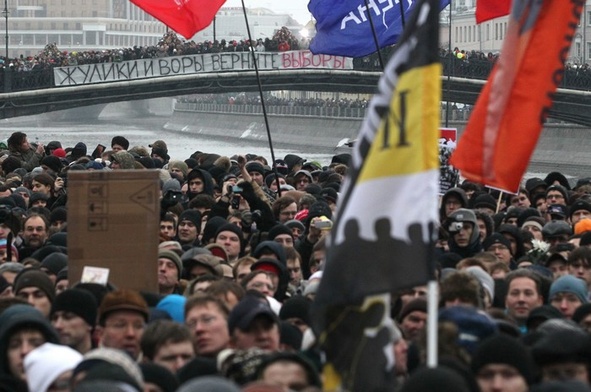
505, 125
490, 9
186, 17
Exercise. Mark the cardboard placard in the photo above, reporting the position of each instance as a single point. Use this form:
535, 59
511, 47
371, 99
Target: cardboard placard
113, 222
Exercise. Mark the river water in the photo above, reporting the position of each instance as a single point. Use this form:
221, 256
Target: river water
141, 131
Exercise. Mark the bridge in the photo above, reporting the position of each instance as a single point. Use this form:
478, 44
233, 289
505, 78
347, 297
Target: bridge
34, 92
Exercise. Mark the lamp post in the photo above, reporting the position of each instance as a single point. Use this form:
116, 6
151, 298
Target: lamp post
5, 12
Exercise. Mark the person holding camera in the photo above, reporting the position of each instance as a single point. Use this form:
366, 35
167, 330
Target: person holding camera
29, 156
464, 238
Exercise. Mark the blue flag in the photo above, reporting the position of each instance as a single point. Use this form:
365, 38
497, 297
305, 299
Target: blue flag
343, 27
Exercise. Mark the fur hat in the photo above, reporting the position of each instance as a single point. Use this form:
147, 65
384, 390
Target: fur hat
123, 299
503, 349
121, 141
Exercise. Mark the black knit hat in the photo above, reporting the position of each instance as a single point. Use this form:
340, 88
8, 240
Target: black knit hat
277, 230
496, 238
193, 216
55, 262
439, 379
503, 349
296, 307
77, 301
160, 376
230, 227
419, 304
52, 162
255, 167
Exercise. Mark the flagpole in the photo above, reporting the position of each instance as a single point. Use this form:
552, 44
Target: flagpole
450, 63
375, 36
265, 116
432, 310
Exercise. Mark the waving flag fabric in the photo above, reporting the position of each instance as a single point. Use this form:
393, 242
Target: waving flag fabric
186, 17
343, 27
506, 122
385, 233
490, 9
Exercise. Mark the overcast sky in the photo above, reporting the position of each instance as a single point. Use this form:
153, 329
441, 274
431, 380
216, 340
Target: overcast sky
297, 8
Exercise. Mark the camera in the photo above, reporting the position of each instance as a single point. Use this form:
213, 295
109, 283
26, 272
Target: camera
173, 197
455, 227
235, 202
323, 223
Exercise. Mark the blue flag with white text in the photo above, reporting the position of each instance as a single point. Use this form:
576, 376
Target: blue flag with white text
343, 27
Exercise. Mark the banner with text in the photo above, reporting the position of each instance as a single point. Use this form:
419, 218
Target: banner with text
195, 63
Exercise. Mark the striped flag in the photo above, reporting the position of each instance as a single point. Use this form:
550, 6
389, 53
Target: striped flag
384, 236
506, 122
186, 17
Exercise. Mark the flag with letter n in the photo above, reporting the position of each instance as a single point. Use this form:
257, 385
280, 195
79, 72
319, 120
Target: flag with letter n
343, 27
186, 17
384, 237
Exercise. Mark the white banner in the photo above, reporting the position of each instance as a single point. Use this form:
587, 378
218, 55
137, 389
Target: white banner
192, 64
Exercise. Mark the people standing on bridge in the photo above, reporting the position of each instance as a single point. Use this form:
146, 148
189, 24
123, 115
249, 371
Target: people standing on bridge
29, 156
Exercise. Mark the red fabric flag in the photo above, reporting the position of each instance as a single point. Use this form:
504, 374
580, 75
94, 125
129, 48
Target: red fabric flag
186, 17
490, 9
506, 122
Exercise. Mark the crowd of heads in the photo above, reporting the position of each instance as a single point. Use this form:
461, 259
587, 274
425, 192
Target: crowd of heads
242, 244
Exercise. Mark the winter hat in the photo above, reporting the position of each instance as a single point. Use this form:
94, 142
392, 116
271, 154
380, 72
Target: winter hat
555, 228
534, 183
172, 256
59, 152
440, 379
197, 367
270, 178
211, 262
277, 230
174, 305
473, 326
503, 349
561, 386
569, 284
485, 201
583, 226
496, 238
211, 228
568, 345
42, 368
255, 167
36, 196
34, 278
159, 144
581, 312
296, 307
417, 304
560, 189
171, 184
79, 150
193, 216
147, 162
535, 221
579, 205
230, 227
217, 251
54, 262
121, 141
294, 223
541, 314
77, 301
485, 280
58, 214
209, 384
160, 376
124, 159
182, 166
52, 162
123, 299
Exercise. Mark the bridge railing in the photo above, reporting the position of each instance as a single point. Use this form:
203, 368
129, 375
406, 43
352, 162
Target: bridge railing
576, 78
300, 111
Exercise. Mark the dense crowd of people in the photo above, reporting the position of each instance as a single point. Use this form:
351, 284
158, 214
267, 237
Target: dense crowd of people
271, 100
242, 243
